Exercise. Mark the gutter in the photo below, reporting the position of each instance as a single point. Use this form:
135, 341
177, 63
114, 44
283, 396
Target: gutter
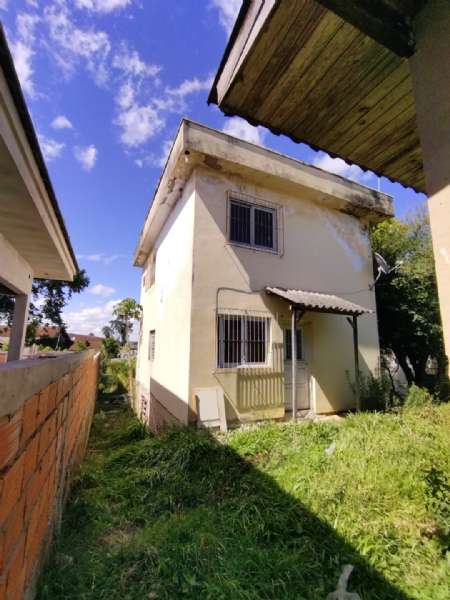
12, 80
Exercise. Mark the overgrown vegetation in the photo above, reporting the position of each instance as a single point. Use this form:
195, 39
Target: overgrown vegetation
260, 513
407, 300
115, 376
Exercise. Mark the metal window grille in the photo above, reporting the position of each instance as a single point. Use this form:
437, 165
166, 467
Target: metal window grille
253, 225
288, 345
151, 345
242, 340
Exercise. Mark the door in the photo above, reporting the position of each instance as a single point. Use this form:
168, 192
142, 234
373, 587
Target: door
302, 372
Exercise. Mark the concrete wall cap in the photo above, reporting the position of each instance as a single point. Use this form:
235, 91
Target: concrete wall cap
22, 379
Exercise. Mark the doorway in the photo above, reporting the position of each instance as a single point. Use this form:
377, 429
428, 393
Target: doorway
302, 371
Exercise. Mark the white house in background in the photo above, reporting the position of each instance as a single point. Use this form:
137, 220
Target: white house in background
34, 242
242, 246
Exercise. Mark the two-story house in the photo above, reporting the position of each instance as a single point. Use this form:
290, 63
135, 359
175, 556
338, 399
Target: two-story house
242, 247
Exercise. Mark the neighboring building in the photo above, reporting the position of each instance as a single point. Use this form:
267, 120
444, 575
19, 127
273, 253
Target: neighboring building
236, 236
34, 242
93, 342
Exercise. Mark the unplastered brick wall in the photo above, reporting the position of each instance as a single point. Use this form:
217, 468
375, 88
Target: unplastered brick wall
46, 409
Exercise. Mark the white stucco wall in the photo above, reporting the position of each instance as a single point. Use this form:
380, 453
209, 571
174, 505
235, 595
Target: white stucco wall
324, 250
167, 310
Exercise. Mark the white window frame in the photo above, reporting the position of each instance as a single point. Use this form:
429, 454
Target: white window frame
244, 317
254, 205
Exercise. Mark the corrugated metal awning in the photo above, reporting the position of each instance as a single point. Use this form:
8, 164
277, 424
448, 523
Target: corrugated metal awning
318, 302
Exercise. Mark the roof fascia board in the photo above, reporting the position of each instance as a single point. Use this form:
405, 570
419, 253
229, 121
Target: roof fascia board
244, 34
19, 135
166, 195
234, 150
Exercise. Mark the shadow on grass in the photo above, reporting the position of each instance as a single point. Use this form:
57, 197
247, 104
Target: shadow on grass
184, 516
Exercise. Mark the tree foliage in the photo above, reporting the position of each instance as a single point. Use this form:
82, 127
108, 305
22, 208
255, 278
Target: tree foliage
407, 299
110, 347
125, 312
53, 297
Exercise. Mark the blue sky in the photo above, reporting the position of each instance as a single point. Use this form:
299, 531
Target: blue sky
107, 82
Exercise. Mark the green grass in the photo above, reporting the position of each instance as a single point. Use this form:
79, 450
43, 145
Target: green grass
260, 513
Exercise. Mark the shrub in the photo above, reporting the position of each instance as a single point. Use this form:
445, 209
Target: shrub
110, 348
80, 346
114, 377
375, 392
418, 397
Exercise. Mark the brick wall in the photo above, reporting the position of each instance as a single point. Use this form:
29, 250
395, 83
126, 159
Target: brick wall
43, 438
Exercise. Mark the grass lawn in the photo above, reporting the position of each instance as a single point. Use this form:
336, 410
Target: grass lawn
259, 513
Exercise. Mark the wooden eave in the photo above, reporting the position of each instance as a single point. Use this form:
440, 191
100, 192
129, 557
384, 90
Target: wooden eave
299, 69
30, 217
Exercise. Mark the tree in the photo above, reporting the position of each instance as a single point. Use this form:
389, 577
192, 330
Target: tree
107, 331
126, 311
110, 347
407, 299
54, 296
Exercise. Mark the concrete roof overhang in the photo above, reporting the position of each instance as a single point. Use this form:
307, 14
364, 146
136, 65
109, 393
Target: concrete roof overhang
330, 73
197, 145
31, 224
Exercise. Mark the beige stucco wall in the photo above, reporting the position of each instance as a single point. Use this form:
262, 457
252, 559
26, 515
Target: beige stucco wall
324, 250
167, 310
430, 71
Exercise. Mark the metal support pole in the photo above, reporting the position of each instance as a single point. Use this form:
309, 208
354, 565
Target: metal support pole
296, 316
356, 352
294, 361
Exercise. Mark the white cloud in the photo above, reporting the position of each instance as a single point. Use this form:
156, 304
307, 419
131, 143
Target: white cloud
26, 26
22, 50
139, 124
191, 86
3, 4
33, 3
23, 55
175, 98
167, 146
86, 156
51, 149
131, 64
102, 6
239, 128
126, 95
106, 259
155, 161
90, 319
228, 12
71, 44
102, 290
340, 167
61, 122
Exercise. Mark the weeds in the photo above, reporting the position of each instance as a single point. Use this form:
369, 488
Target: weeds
258, 514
